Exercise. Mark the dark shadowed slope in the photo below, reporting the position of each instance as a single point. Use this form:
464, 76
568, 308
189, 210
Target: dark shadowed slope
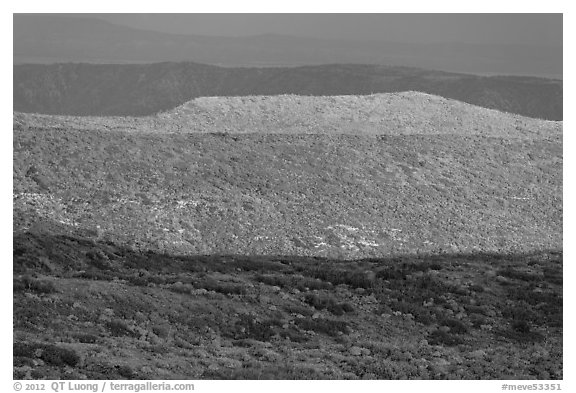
91, 309
143, 89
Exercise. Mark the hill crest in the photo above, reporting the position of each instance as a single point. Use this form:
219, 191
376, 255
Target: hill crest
407, 113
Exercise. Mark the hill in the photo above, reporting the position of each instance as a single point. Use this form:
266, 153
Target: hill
391, 236
329, 176
144, 89
408, 113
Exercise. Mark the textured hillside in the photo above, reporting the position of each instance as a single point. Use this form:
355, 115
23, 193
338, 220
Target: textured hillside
400, 236
144, 89
355, 176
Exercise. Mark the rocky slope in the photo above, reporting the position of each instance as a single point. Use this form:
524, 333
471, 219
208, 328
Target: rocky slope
387, 236
348, 176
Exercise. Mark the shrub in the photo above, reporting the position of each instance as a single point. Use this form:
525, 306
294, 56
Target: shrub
161, 330
477, 320
224, 288
298, 309
85, 338
49, 353
293, 334
553, 274
354, 276
181, 288
101, 275
456, 326
119, 328
324, 326
518, 275
257, 371
34, 285
248, 326
137, 281
521, 326
322, 302
290, 281
520, 331
100, 260
521, 312
261, 265
401, 271
126, 372
439, 337
60, 356
421, 314
474, 309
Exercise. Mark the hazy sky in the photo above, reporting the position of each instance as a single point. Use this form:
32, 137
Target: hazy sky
541, 29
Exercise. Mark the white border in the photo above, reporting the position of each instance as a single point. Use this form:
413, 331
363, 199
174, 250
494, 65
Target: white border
356, 6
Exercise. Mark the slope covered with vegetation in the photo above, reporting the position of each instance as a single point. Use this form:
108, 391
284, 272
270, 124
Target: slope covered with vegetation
85, 309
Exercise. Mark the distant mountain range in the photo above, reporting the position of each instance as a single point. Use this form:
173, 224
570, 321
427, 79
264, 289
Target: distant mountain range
52, 39
144, 89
